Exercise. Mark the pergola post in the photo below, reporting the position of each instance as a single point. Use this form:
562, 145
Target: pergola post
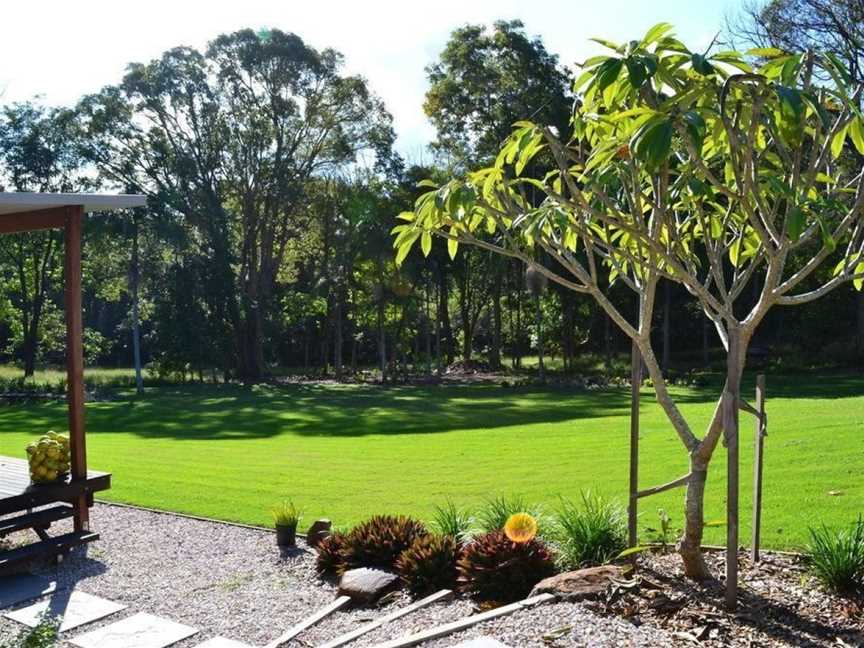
75, 358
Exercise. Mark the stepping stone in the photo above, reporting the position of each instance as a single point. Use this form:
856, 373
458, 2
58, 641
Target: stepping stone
139, 631
222, 642
75, 608
481, 642
17, 589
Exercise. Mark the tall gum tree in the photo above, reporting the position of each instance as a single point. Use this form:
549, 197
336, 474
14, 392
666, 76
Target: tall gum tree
229, 138
694, 168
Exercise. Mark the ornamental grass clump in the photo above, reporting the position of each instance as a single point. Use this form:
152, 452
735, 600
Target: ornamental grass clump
591, 534
429, 564
380, 540
836, 557
495, 568
452, 521
330, 561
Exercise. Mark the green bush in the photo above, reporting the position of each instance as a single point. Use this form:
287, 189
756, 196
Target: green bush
591, 534
836, 557
429, 564
452, 521
44, 635
494, 568
379, 541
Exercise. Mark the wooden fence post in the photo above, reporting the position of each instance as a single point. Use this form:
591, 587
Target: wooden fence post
761, 433
635, 385
731, 403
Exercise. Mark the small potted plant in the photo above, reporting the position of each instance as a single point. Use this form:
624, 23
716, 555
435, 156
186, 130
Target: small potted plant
285, 517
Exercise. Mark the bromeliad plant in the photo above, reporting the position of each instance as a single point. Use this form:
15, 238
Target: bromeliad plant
721, 172
380, 540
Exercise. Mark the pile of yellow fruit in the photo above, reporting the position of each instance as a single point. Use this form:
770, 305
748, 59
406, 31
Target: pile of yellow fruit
48, 458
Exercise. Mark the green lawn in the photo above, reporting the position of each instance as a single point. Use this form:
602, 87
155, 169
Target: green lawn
346, 452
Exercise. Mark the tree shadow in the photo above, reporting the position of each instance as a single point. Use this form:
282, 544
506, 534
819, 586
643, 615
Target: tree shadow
239, 412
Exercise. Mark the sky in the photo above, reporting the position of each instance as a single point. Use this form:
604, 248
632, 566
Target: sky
61, 50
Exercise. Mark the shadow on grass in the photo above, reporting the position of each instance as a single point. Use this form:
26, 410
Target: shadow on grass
195, 412
235, 412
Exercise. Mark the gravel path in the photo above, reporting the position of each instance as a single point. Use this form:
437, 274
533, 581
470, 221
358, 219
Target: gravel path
232, 581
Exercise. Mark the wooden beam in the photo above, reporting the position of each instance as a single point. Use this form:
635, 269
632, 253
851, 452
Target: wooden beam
75, 358
761, 432
461, 624
309, 621
377, 623
34, 220
635, 387
731, 400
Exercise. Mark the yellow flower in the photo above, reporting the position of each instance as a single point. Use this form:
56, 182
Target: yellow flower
521, 527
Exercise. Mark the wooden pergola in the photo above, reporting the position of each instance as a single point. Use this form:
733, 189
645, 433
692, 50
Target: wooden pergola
36, 507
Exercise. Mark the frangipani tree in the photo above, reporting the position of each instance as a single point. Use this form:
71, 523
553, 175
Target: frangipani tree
696, 168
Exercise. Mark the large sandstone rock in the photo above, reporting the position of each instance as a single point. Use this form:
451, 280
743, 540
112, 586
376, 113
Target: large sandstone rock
581, 584
319, 530
367, 585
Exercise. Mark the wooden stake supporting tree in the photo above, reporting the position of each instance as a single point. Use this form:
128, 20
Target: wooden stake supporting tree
698, 169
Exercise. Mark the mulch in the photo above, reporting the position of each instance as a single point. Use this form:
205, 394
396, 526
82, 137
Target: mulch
779, 604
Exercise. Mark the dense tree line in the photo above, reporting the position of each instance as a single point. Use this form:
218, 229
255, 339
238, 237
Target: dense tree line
273, 185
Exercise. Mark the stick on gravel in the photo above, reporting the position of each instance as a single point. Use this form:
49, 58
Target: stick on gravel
377, 623
461, 624
309, 621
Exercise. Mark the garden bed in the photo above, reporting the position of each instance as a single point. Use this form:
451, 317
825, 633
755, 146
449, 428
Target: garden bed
232, 581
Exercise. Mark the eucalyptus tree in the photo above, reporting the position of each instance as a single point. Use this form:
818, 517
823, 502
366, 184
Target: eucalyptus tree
38, 152
682, 166
228, 138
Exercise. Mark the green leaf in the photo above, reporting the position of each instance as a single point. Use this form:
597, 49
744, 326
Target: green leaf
452, 244
856, 134
701, 65
427, 183
838, 141
634, 550
652, 143
657, 32
827, 239
696, 128
765, 52
636, 71
426, 243
795, 223
859, 282
791, 114
607, 73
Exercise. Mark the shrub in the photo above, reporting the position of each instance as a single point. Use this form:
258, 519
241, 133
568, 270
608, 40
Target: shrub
836, 557
330, 561
44, 635
591, 535
495, 513
494, 568
454, 522
429, 564
379, 541
286, 515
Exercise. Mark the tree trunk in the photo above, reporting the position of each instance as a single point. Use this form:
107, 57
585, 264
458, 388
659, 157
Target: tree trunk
690, 546
444, 316
495, 349
859, 298
337, 334
382, 337
136, 326
667, 324
541, 367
